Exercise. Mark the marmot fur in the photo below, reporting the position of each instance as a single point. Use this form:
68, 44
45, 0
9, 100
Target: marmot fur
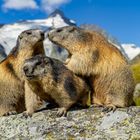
53, 82
93, 56
29, 43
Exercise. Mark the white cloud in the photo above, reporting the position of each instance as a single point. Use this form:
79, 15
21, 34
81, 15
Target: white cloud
50, 5
19, 4
46, 5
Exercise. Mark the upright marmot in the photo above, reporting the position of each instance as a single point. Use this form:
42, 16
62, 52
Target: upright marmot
29, 43
93, 56
53, 82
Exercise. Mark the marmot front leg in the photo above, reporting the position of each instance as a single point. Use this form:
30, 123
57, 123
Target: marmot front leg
64, 107
32, 101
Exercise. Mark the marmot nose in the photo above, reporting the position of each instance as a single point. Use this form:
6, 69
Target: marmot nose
25, 69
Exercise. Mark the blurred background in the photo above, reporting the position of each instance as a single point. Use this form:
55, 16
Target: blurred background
117, 20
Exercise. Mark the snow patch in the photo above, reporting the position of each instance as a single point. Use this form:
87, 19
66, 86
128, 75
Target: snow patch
131, 50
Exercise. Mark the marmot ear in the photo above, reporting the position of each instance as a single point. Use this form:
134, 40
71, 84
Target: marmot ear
47, 60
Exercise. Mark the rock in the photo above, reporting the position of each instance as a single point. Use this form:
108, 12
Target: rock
136, 59
54, 51
79, 124
2, 53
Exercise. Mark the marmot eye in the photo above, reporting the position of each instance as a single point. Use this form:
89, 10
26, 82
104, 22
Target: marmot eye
59, 30
47, 63
20, 37
28, 32
39, 63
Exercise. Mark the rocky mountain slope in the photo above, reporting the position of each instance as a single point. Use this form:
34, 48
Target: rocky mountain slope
136, 59
131, 50
2, 53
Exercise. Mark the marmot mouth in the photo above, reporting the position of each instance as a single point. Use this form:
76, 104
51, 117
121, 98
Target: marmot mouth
30, 77
68, 58
69, 54
60, 45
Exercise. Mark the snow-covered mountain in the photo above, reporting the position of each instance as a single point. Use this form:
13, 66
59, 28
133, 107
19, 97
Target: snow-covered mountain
10, 32
131, 50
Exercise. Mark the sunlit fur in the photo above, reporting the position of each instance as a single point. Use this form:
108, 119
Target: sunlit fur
29, 43
93, 56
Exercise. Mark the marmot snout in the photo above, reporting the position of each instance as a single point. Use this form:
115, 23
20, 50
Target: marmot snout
34, 68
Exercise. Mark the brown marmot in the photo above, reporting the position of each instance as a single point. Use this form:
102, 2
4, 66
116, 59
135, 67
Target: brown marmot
93, 56
52, 81
29, 43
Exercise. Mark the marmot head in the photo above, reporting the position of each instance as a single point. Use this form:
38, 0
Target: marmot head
30, 37
70, 37
36, 67
29, 40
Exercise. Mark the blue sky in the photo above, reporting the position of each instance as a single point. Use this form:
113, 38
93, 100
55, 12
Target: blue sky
121, 18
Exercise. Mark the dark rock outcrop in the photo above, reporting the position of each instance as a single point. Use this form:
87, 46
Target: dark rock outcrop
136, 59
2, 53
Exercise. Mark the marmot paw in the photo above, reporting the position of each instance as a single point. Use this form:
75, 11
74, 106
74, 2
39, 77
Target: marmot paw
10, 113
27, 114
109, 108
61, 112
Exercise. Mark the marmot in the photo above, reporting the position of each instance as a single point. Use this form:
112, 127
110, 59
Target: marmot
93, 56
53, 82
29, 43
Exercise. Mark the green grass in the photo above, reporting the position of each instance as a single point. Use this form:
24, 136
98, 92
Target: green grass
136, 72
137, 101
